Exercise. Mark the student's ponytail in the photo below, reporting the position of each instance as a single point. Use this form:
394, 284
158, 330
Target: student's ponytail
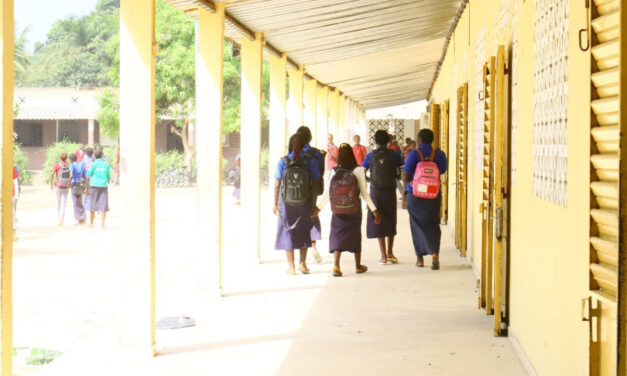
296, 146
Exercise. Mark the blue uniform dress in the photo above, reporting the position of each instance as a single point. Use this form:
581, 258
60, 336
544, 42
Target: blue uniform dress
424, 214
385, 201
316, 227
300, 235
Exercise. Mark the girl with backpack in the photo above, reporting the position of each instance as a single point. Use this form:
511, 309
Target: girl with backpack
424, 196
78, 188
346, 185
383, 164
60, 182
296, 174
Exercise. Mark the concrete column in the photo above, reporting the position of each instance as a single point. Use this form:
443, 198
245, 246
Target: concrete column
310, 111
90, 132
209, 100
334, 115
322, 119
137, 182
342, 114
252, 54
296, 99
6, 270
56, 124
278, 110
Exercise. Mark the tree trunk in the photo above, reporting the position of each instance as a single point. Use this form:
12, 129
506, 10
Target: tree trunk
189, 151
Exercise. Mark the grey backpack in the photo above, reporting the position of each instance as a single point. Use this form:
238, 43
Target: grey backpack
296, 182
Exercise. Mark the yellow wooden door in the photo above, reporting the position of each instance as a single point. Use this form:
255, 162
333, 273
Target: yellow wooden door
607, 265
462, 165
444, 148
500, 189
485, 294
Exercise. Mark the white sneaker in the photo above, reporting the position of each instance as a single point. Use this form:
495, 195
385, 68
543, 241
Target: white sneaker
316, 255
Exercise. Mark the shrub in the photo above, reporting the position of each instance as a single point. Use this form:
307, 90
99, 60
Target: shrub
170, 160
20, 160
53, 153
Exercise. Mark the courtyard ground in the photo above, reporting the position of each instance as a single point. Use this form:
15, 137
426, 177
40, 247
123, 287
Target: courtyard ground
393, 320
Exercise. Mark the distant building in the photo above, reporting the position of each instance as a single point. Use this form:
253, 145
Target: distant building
47, 115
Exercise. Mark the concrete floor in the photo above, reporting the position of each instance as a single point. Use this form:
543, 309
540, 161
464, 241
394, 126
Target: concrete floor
393, 320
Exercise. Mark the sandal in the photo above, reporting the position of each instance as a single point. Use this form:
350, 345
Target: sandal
291, 272
303, 269
421, 262
435, 264
392, 259
361, 269
337, 272
384, 263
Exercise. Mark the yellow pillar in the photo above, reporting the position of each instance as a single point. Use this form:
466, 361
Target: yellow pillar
278, 110
296, 99
209, 83
342, 125
137, 181
311, 111
252, 54
322, 119
6, 309
334, 114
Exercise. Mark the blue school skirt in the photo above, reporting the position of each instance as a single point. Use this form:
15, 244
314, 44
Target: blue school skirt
424, 222
293, 227
345, 232
385, 201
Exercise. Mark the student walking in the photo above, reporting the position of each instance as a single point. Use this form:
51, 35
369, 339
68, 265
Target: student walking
359, 150
295, 178
60, 183
384, 165
424, 196
99, 175
87, 161
332, 152
347, 183
78, 189
318, 158
16, 194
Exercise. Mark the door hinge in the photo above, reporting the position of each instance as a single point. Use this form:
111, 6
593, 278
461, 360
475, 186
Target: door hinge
591, 315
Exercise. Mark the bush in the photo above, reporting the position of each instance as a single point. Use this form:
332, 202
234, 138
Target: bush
53, 155
110, 153
20, 160
170, 160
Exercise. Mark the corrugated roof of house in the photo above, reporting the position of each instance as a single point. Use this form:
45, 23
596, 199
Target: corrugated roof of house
56, 103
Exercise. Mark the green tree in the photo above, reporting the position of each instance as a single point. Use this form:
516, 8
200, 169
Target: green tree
21, 57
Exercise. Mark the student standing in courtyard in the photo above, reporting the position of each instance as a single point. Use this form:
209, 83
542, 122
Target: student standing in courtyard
347, 184
424, 197
296, 176
332, 153
383, 164
99, 175
87, 161
78, 188
359, 150
318, 157
60, 182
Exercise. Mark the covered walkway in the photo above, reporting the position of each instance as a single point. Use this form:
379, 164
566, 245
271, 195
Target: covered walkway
393, 320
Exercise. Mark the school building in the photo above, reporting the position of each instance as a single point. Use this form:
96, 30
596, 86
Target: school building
526, 97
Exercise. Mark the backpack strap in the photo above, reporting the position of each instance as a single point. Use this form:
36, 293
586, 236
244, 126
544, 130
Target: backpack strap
432, 154
287, 160
422, 157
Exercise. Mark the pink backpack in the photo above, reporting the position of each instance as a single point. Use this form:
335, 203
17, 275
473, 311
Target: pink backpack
426, 183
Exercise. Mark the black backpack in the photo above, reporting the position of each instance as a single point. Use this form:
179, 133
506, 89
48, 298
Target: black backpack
383, 170
296, 182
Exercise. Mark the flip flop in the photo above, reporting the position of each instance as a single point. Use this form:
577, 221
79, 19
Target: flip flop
393, 260
384, 263
361, 269
303, 269
337, 272
290, 272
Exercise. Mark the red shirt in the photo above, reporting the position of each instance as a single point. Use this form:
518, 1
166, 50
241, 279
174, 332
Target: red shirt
332, 152
15, 176
360, 153
80, 154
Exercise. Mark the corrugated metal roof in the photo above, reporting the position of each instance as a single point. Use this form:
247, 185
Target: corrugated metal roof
56, 103
377, 52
